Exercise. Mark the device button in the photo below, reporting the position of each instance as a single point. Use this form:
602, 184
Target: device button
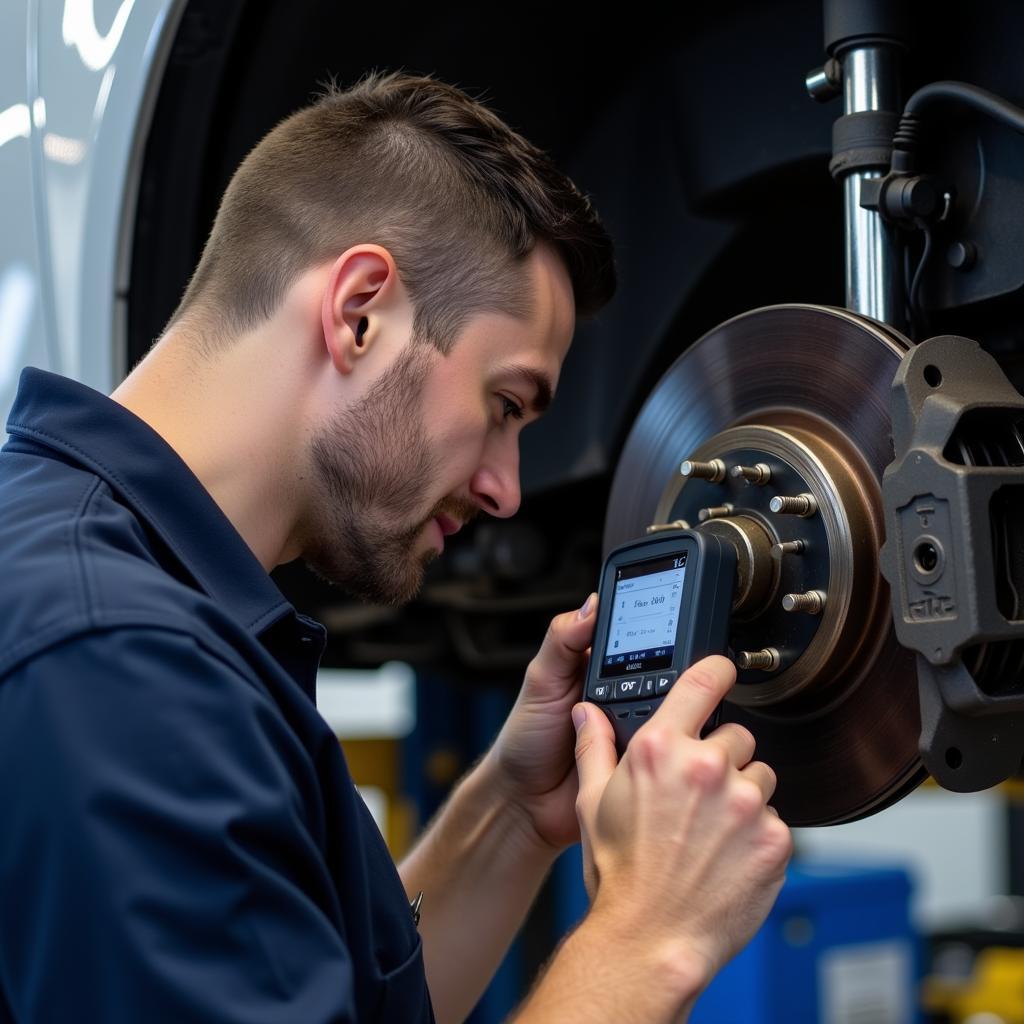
642, 712
601, 691
647, 686
627, 689
663, 682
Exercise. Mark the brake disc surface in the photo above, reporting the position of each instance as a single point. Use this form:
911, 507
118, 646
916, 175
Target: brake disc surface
791, 402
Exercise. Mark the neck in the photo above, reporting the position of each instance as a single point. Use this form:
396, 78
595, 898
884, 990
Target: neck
231, 417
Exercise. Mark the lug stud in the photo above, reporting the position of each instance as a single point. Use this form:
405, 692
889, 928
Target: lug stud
767, 660
676, 524
813, 602
715, 512
713, 471
800, 505
788, 547
758, 474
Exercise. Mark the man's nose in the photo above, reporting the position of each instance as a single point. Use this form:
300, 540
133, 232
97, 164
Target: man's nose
495, 485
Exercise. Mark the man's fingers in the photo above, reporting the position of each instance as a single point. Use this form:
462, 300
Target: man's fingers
737, 742
696, 693
562, 654
595, 751
759, 772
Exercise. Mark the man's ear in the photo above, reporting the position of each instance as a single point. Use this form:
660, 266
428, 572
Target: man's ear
361, 280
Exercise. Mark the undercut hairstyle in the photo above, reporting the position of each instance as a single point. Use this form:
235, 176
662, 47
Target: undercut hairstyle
418, 167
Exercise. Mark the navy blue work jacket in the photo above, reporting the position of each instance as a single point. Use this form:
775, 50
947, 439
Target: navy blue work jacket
180, 838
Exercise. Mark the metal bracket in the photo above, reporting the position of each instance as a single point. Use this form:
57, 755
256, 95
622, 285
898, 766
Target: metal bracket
954, 556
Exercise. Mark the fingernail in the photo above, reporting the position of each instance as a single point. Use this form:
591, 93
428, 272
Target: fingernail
588, 607
579, 716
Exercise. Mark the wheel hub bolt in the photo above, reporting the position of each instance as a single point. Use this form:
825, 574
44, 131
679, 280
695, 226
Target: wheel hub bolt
676, 524
767, 659
713, 470
799, 505
788, 547
715, 512
759, 474
813, 602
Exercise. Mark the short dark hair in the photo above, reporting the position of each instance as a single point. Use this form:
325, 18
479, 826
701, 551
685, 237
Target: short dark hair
419, 167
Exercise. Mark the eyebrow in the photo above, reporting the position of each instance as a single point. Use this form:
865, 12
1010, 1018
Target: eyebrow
544, 392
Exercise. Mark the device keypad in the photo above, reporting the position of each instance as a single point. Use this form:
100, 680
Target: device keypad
627, 688
663, 682
635, 687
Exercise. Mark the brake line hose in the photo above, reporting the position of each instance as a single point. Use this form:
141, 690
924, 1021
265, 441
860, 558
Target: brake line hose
907, 137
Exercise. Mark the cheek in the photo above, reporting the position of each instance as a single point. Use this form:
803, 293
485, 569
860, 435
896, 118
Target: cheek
460, 446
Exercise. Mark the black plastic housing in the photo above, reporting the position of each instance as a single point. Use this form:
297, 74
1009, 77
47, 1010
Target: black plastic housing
702, 626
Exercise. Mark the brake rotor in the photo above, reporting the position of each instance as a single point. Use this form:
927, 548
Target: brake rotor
773, 430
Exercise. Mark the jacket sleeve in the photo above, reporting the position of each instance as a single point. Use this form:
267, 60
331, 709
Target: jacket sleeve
157, 860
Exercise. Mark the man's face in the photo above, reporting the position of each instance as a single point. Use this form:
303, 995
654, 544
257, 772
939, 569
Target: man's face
434, 441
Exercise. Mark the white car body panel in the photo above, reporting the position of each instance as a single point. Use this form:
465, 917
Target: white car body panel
75, 99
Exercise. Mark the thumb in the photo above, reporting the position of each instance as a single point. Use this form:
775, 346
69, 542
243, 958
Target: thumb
596, 758
563, 652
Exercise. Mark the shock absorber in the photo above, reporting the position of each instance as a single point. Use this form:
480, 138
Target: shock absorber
864, 41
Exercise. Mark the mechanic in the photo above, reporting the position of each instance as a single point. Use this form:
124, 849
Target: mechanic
385, 300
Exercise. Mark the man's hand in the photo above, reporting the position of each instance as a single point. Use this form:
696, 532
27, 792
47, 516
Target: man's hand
680, 847
683, 859
533, 754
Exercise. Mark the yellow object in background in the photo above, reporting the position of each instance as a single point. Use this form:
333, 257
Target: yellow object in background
375, 764
995, 991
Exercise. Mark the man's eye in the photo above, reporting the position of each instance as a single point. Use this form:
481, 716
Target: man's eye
510, 408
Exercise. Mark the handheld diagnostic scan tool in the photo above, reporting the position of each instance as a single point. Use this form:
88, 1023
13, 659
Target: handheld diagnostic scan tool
664, 603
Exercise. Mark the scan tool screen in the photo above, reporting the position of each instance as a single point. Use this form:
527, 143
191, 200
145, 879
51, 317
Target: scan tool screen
645, 616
